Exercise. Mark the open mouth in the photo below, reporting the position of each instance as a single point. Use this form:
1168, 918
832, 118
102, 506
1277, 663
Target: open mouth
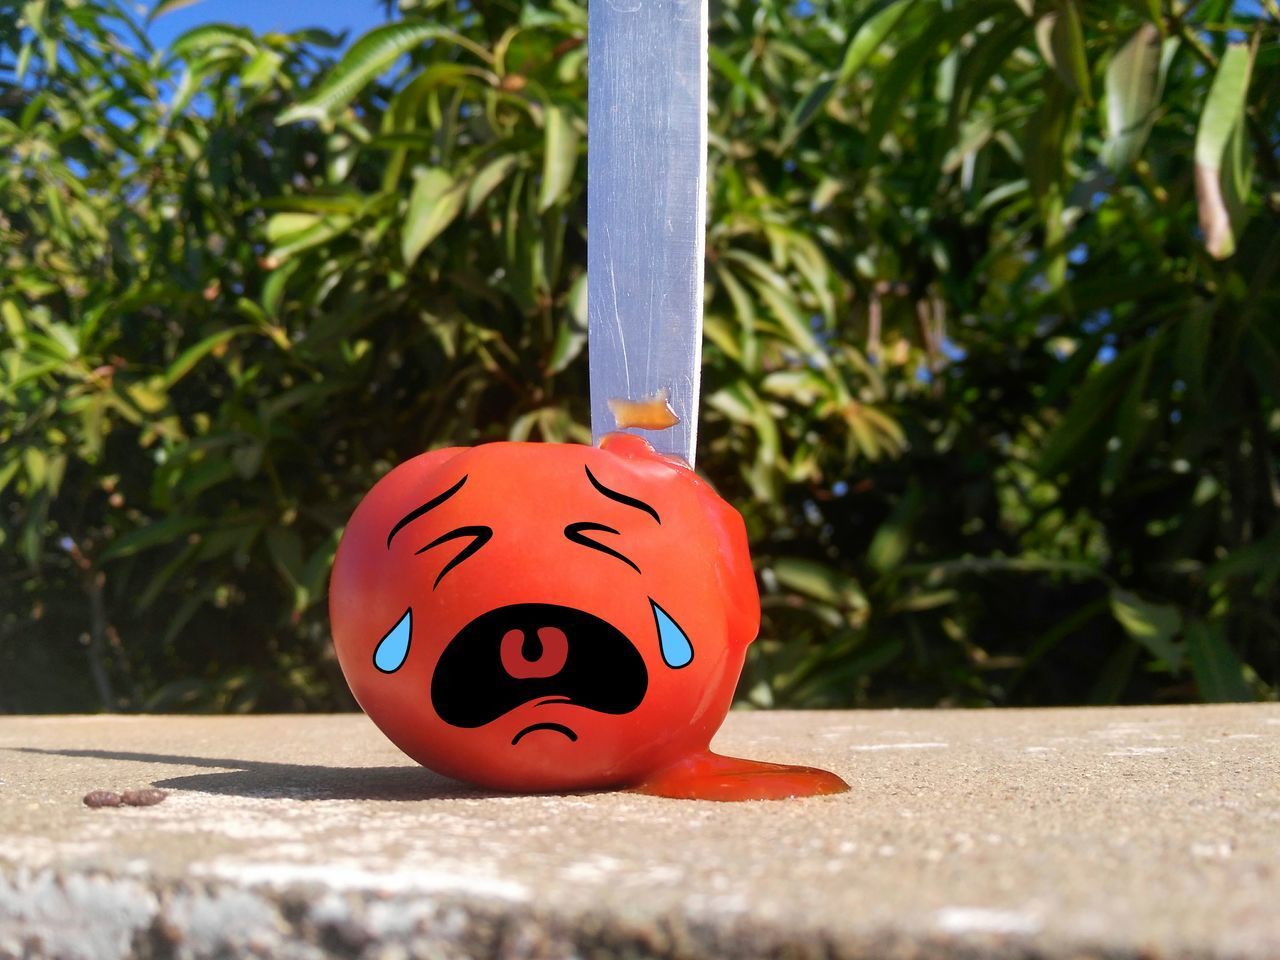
557, 727
536, 653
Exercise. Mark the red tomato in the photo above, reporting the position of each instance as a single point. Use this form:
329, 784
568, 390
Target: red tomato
533, 616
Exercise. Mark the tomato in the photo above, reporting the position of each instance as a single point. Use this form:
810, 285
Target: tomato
536, 617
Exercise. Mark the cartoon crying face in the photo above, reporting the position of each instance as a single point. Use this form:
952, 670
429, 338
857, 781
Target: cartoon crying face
534, 616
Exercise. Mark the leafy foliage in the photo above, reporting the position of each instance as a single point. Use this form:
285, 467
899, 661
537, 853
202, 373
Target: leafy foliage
992, 354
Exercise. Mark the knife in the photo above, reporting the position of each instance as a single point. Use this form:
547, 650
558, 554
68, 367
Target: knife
646, 215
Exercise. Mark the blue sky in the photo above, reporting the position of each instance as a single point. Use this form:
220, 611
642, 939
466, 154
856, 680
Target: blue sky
263, 15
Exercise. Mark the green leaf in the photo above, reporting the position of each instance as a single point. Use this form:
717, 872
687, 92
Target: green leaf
940, 34
152, 591
1153, 625
1151, 10
7, 472
742, 84
1222, 168
210, 36
870, 36
977, 68
1061, 41
1087, 424
285, 225
1046, 141
37, 464
1133, 418
819, 581
571, 336
1257, 562
1218, 671
168, 6
320, 232
805, 387
805, 111
187, 360
1048, 144
286, 550
261, 69
24, 61
149, 397
560, 157
488, 178
170, 530
61, 342
247, 460
368, 57
1114, 676
892, 541
435, 202
1134, 85
316, 572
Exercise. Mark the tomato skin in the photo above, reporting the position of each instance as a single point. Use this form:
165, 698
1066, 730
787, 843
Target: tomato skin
604, 568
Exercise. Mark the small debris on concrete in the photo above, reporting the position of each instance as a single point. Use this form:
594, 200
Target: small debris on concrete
143, 798
147, 797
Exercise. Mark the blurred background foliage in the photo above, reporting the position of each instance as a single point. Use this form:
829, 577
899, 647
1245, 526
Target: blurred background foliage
992, 360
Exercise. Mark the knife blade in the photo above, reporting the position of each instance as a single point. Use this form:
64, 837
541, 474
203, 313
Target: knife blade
646, 211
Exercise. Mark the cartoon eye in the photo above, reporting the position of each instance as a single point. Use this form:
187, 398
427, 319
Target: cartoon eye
479, 537
574, 533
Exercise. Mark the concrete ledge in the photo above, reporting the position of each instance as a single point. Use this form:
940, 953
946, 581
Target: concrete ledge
1143, 833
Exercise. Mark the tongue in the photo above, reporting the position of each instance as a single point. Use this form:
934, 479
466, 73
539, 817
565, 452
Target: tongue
527, 654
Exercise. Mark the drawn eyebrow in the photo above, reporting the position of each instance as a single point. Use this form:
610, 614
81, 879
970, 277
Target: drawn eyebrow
413, 515
621, 497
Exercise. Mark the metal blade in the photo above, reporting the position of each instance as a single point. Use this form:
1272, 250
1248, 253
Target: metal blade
646, 210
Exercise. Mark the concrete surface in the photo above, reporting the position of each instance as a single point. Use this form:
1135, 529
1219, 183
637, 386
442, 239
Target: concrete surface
1132, 833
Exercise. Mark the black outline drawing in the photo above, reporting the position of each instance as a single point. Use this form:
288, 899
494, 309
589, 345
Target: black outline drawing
573, 533
413, 515
621, 497
481, 534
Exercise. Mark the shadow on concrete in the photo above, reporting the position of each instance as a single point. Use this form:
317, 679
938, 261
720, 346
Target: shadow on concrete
292, 781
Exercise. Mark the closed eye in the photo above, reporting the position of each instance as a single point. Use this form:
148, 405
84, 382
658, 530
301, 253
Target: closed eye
479, 537
575, 533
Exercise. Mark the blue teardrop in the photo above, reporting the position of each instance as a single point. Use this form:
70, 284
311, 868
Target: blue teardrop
393, 649
677, 651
